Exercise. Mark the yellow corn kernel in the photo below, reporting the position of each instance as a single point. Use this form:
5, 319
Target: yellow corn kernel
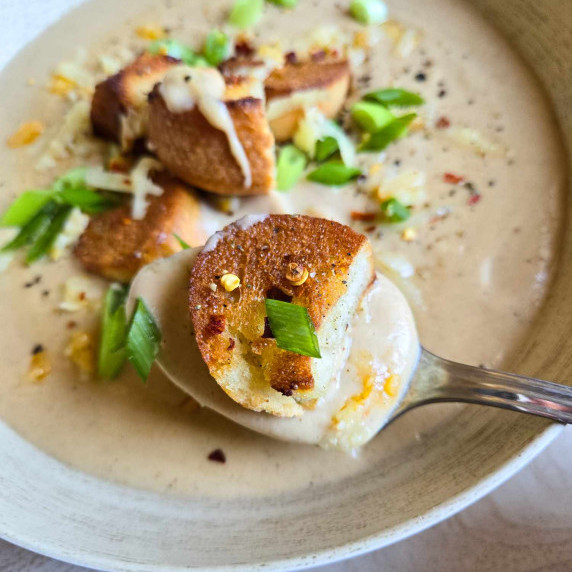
391, 386
409, 235
81, 351
375, 168
25, 134
61, 85
296, 274
40, 367
361, 39
150, 32
230, 282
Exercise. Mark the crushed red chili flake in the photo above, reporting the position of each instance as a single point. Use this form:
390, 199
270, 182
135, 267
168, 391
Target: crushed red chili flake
453, 179
363, 216
473, 199
243, 48
370, 228
291, 58
71, 324
217, 456
216, 325
231, 344
443, 123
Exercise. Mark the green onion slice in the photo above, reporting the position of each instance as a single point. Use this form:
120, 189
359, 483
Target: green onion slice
73, 179
25, 207
184, 245
90, 202
246, 13
47, 233
325, 148
292, 327
217, 47
176, 50
395, 96
284, 3
394, 211
368, 11
289, 168
395, 130
334, 173
370, 116
143, 340
112, 352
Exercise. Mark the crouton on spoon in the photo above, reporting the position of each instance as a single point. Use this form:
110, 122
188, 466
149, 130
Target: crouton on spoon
384, 375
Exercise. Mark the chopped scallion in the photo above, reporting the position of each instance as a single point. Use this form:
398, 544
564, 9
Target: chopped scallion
292, 328
73, 179
394, 211
325, 148
47, 234
90, 202
371, 116
143, 340
289, 168
368, 11
284, 3
395, 130
112, 353
184, 245
334, 173
25, 207
246, 13
395, 96
217, 47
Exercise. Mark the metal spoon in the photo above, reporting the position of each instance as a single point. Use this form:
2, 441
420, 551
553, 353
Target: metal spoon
164, 286
440, 380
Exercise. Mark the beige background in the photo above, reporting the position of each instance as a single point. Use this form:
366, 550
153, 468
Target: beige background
523, 526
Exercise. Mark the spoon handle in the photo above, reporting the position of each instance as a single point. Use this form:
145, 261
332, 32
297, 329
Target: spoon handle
438, 380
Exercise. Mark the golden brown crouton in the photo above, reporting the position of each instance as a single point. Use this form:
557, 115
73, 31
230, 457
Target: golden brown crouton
116, 246
269, 254
200, 154
118, 109
299, 85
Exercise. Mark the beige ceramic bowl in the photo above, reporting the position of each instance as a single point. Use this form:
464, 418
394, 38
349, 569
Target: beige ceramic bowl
49, 508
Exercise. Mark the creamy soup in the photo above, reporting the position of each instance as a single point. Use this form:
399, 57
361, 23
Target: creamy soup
475, 262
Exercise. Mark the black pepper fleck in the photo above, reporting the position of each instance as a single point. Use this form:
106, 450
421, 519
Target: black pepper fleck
217, 456
37, 349
442, 93
420, 77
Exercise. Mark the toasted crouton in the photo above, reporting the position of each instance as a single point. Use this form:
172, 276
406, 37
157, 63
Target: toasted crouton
230, 327
199, 153
116, 246
119, 105
296, 86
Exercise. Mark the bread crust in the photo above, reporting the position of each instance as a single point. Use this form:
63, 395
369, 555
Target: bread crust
115, 246
259, 254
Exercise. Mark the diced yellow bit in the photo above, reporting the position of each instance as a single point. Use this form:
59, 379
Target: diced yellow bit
150, 32
40, 367
361, 39
296, 274
375, 168
81, 351
409, 234
61, 85
417, 124
25, 134
391, 386
271, 52
394, 30
230, 282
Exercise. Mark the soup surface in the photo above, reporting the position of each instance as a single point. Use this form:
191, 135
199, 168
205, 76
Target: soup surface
475, 274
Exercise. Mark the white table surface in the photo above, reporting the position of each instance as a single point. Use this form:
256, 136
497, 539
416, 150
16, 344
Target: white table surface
523, 526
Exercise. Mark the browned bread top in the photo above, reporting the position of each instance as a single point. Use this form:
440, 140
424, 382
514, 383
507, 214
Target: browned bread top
116, 246
259, 252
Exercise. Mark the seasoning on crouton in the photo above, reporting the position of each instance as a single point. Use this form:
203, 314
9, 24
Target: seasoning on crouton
119, 105
116, 246
230, 326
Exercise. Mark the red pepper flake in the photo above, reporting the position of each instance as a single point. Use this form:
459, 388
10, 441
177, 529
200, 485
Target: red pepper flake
231, 344
318, 56
217, 456
71, 325
363, 216
291, 58
453, 179
370, 228
243, 48
443, 123
473, 199
216, 325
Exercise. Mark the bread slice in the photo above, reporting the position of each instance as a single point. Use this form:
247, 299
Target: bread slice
296, 86
119, 105
116, 246
230, 327
200, 154
300, 85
